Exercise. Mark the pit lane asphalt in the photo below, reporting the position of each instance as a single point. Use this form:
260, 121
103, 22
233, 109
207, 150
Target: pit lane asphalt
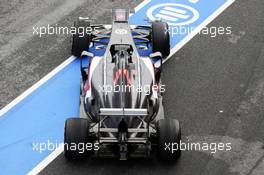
214, 86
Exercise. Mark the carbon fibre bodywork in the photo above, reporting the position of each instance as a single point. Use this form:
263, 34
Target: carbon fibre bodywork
121, 78
121, 91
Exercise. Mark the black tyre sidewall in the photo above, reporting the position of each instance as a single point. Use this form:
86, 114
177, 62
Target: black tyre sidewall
76, 131
160, 38
168, 131
79, 42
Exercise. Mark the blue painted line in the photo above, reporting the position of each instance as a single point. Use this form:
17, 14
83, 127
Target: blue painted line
40, 116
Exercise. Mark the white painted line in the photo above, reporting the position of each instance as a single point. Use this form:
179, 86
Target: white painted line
177, 15
175, 10
47, 160
141, 5
169, 18
36, 86
198, 29
193, 1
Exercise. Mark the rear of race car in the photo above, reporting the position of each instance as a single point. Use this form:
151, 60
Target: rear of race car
121, 100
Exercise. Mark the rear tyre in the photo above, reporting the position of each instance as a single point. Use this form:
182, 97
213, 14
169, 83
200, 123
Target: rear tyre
81, 40
160, 38
76, 136
168, 132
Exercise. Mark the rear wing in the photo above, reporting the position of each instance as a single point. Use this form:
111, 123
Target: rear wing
123, 112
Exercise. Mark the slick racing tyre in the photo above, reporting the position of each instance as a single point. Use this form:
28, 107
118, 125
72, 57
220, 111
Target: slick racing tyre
76, 134
80, 40
168, 134
160, 38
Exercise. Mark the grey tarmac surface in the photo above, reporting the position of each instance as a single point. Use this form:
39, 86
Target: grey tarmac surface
214, 86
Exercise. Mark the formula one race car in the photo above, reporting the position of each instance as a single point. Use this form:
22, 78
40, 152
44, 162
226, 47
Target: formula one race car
121, 111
